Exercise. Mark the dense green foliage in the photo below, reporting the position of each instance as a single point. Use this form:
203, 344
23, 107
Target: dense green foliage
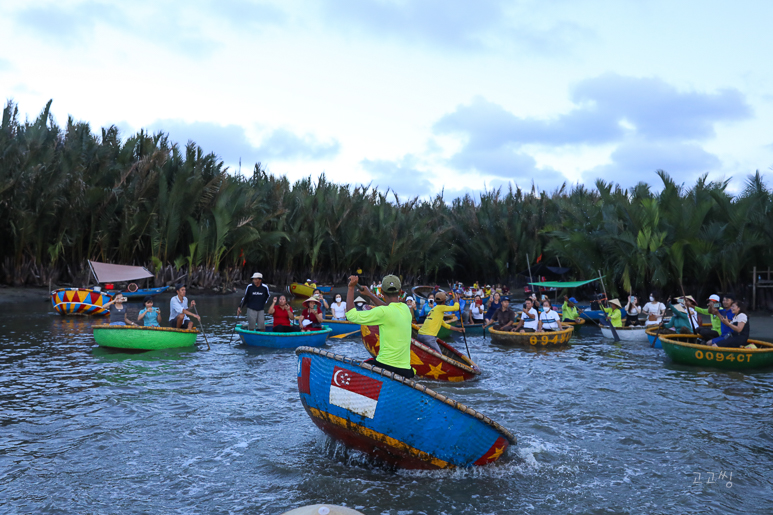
69, 194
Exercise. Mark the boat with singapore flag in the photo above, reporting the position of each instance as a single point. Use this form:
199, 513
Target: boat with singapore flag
394, 419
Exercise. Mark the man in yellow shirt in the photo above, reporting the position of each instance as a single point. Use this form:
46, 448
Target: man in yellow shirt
393, 319
434, 321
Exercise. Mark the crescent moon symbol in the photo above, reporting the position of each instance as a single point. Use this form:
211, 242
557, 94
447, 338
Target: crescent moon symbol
335, 378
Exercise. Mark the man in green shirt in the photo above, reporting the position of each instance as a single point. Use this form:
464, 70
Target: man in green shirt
569, 310
716, 323
393, 319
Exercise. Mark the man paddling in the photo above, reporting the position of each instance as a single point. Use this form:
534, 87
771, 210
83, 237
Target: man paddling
393, 319
255, 297
434, 321
569, 310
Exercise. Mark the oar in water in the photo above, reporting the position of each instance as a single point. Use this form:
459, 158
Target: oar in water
339, 336
461, 321
233, 330
202, 326
606, 315
588, 318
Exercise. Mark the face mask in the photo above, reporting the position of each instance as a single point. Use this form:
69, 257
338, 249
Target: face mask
652, 299
338, 299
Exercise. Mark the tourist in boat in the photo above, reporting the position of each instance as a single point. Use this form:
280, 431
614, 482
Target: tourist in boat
569, 310
549, 319
434, 321
311, 316
178, 310
323, 305
310, 283
739, 327
338, 308
632, 311
283, 315
529, 322
360, 304
503, 319
149, 315
612, 309
709, 333
494, 303
487, 291
477, 311
393, 319
679, 323
689, 304
118, 312
654, 311
412, 306
255, 298
426, 308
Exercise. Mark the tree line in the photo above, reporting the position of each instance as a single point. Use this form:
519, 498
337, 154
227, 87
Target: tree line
68, 194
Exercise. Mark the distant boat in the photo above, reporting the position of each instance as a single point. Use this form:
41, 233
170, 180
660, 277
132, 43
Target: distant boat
301, 290
90, 301
270, 339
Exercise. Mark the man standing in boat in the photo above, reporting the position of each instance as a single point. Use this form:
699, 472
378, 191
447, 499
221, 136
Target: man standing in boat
393, 319
255, 297
434, 321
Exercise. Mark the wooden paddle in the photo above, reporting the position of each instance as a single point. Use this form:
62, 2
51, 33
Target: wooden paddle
606, 315
687, 308
461, 321
202, 326
339, 336
231, 339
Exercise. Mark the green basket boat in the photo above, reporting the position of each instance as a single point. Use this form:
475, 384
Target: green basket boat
682, 349
143, 338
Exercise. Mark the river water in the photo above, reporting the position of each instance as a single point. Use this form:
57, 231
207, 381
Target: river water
602, 428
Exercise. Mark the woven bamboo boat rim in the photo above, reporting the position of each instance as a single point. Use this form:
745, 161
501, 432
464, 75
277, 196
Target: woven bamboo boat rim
145, 328
526, 335
458, 364
292, 334
672, 339
631, 328
413, 384
573, 322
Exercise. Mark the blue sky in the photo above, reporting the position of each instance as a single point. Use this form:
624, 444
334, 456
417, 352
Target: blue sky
417, 96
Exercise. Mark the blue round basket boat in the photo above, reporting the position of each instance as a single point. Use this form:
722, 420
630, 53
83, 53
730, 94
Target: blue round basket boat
392, 418
274, 340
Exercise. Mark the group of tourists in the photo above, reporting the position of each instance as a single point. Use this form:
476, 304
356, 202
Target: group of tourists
535, 316
729, 320
149, 315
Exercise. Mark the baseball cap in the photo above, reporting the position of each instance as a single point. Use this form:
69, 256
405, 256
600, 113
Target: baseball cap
390, 284
714, 297
505, 298
572, 300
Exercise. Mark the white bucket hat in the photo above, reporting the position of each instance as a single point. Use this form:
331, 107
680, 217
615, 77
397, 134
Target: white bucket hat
257, 275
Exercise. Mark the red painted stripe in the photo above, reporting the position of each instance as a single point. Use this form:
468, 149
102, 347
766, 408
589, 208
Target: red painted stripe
303, 379
356, 383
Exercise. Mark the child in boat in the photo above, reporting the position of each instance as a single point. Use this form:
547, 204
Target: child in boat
149, 315
118, 313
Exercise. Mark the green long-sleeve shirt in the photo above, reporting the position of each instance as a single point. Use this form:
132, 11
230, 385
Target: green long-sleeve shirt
716, 323
615, 316
569, 313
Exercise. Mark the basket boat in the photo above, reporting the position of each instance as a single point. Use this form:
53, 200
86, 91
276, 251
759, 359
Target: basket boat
574, 323
472, 329
80, 301
450, 365
340, 326
652, 335
626, 334
682, 349
143, 337
301, 290
394, 419
274, 340
536, 339
144, 292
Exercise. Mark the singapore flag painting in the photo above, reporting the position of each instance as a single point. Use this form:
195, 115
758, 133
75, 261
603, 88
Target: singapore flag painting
354, 392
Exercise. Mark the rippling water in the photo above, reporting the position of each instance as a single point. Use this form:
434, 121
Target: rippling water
601, 427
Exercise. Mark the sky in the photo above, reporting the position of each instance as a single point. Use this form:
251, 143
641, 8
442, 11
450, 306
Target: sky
417, 96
